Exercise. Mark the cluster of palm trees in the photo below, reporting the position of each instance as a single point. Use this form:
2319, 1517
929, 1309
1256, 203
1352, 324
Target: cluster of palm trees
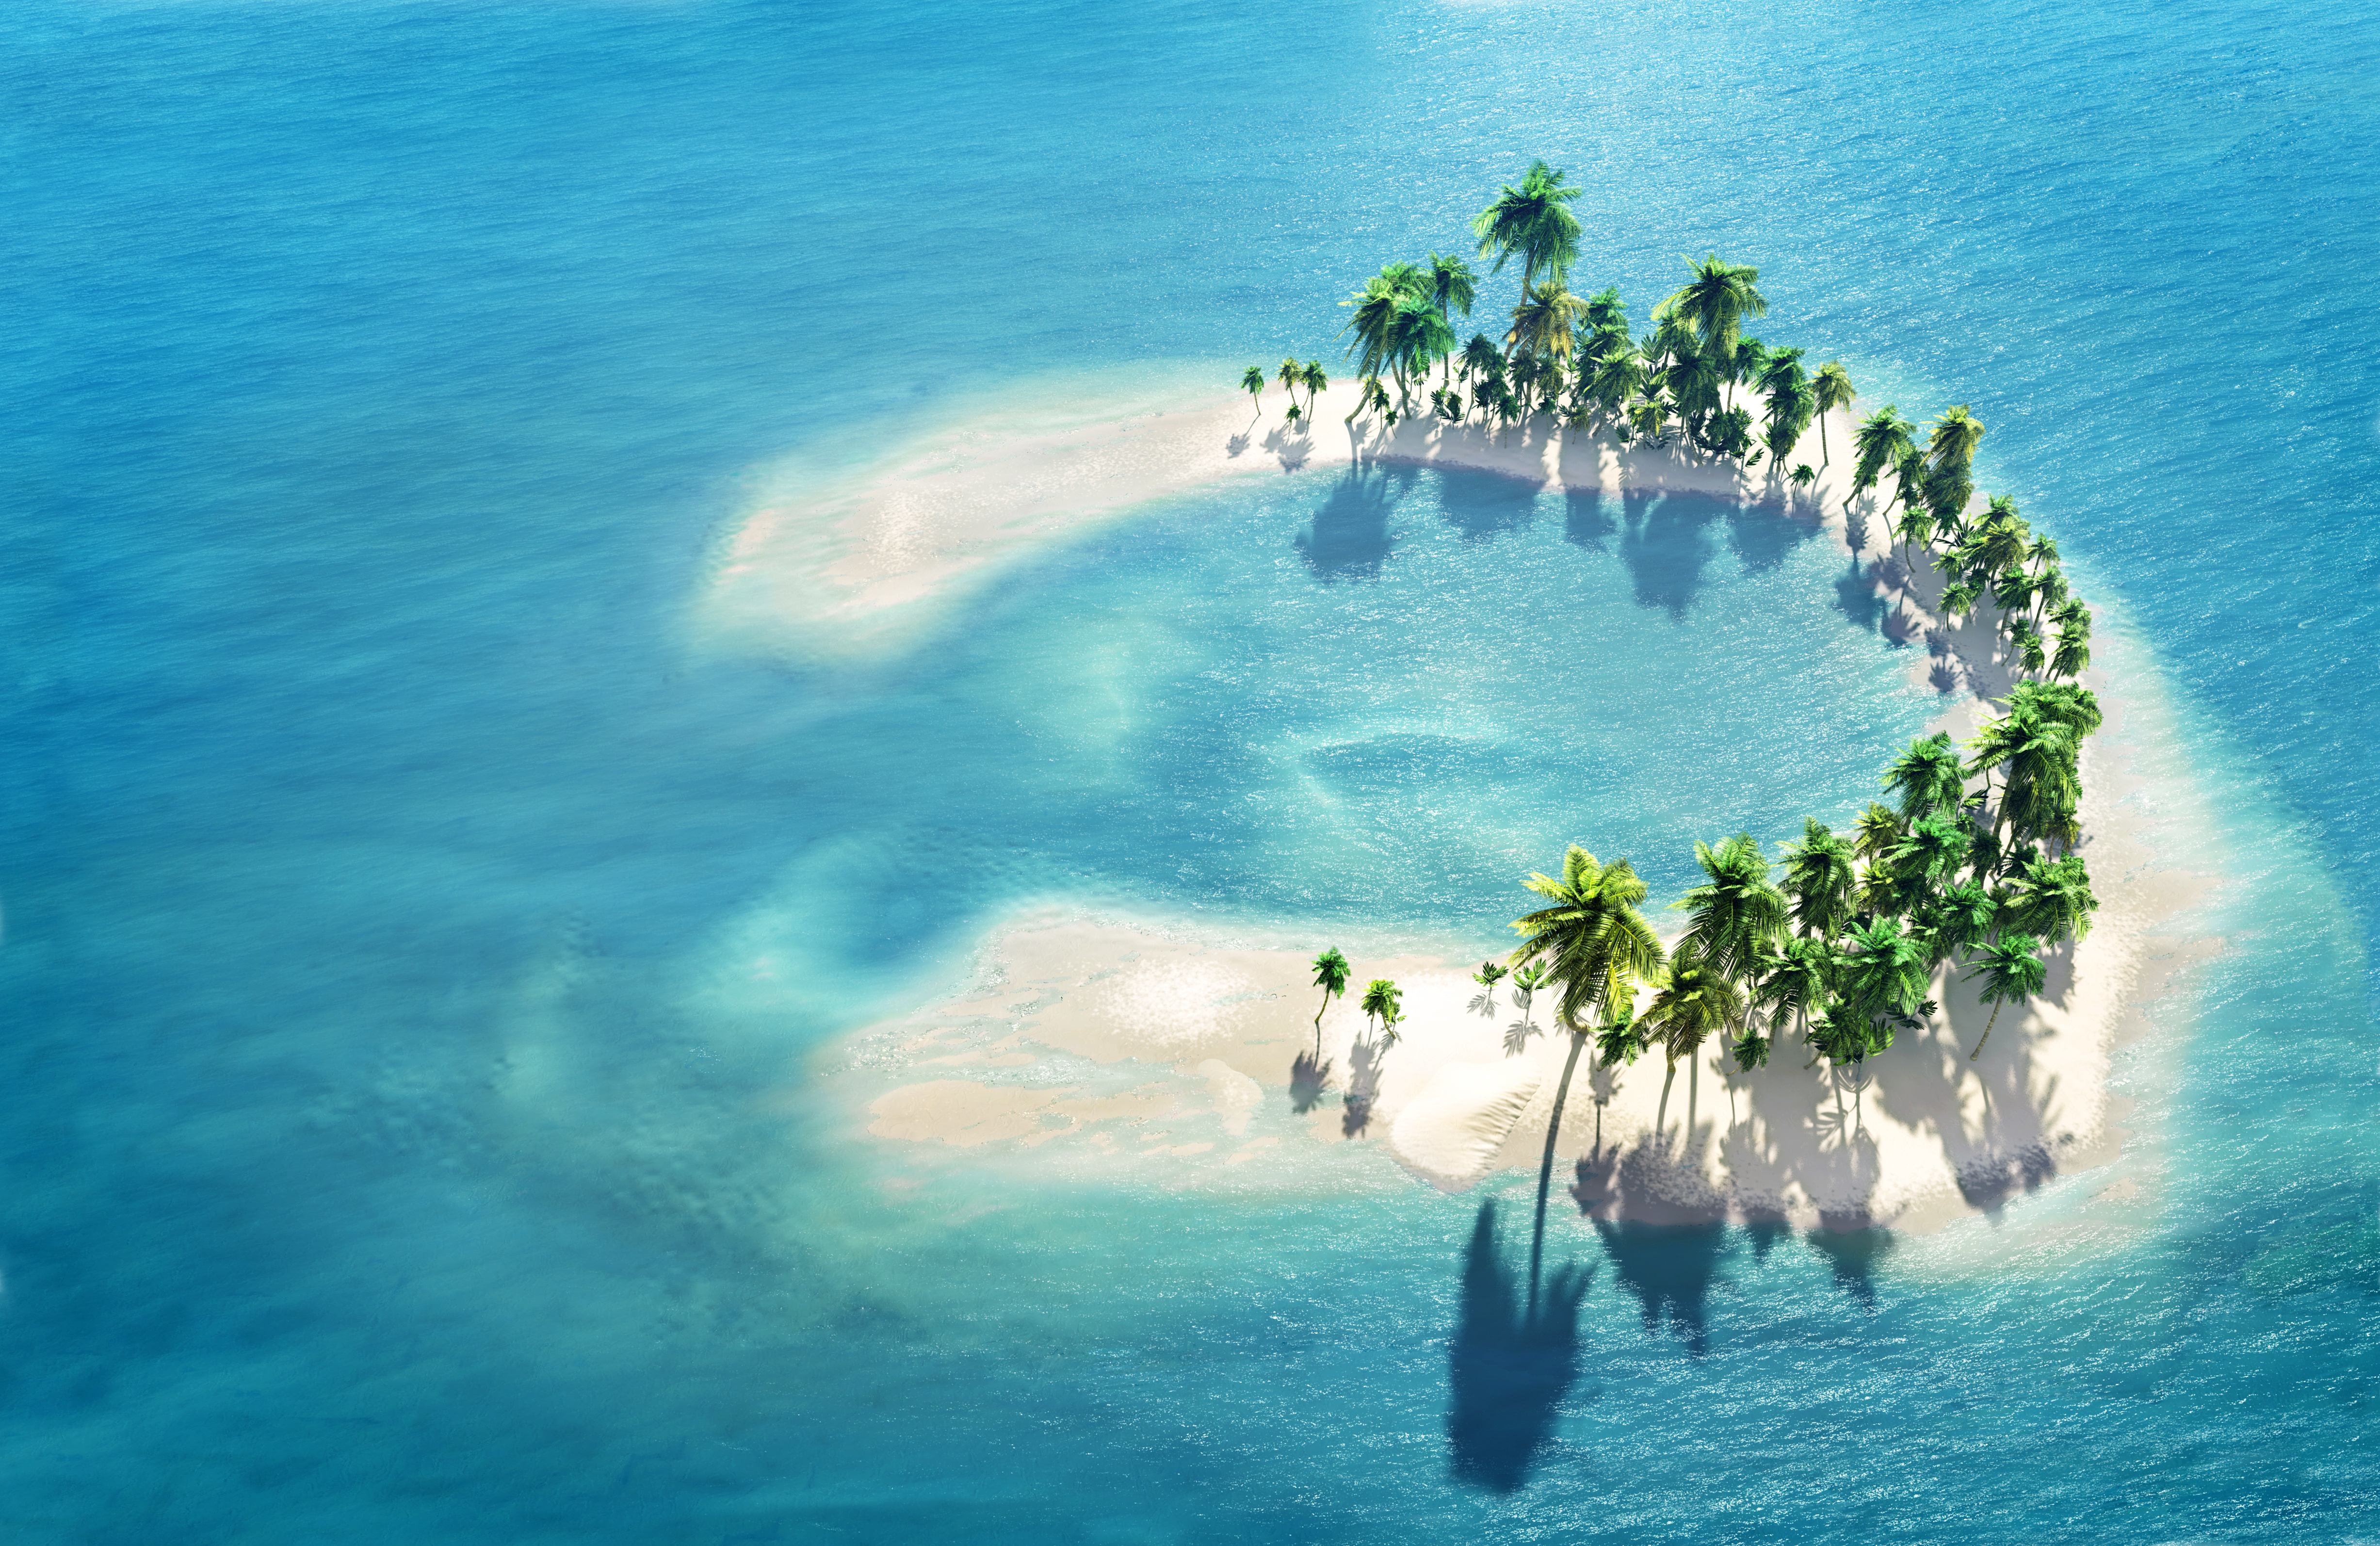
1383, 1001
1839, 939
1574, 357
1988, 552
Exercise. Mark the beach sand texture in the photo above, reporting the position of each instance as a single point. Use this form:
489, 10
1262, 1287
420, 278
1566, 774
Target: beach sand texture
1203, 1033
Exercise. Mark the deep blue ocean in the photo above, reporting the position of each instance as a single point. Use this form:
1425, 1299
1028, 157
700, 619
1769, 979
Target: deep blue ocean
385, 1154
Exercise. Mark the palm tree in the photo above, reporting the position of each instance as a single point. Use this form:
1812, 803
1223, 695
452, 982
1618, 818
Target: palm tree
1289, 375
2073, 656
1952, 450
1714, 302
1796, 980
1542, 323
1330, 971
1878, 831
1885, 972
1928, 777
2035, 752
1735, 914
1831, 388
1480, 357
1252, 382
1597, 946
1452, 287
1694, 1001
2011, 967
2051, 899
1383, 1002
1316, 381
1533, 221
1818, 880
1962, 917
1882, 439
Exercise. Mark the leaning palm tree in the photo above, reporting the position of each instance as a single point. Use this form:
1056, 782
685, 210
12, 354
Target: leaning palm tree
1695, 1001
1532, 222
1818, 879
1796, 982
2011, 967
1878, 830
1593, 943
2051, 899
1331, 970
2035, 755
1252, 382
1714, 302
1831, 388
1289, 375
1384, 1003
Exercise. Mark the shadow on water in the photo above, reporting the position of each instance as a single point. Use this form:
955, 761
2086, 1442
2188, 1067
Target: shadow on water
1308, 1077
1668, 1269
1666, 550
1856, 599
1349, 538
1854, 1255
1764, 535
1509, 1368
1480, 505
1588, 519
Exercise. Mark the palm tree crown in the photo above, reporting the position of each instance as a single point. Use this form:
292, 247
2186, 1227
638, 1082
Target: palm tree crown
1714, 302
1533, 221
1593, 937
1735, 914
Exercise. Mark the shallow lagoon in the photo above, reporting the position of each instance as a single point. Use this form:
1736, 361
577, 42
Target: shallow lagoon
389, 1154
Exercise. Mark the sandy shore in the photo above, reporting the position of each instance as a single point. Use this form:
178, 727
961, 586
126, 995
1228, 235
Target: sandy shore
1131, 1042
850, 561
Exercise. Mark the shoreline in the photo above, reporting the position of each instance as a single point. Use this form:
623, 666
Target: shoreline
1112, 1042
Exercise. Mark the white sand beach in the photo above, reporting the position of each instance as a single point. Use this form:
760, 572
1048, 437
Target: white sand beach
1204, 1032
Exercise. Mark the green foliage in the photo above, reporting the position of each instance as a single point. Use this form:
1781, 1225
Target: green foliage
1735, 914
1592, 938
1330, 973
1928, 777
1489, 973
1714, 302
1532, 222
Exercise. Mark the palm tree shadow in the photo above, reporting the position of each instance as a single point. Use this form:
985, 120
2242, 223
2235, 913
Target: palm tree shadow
1856, 599
1763, 535
1666, 552
1509, 1366
1309, 1077
1483, 1004
1363, 1083
1585, 521
1669, 1270
1348, 536
1853, 1254
1517, 1036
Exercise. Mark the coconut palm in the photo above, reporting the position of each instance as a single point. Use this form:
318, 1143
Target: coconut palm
1694, 1002
2011, 967
1596, 945
1736, 913
2035, 755
1252, 382
1331, 970
1289, 375
1830, 388
1714, 302
1951, 451
1526, 980
1929, 776
1384, 1003
2073, 656
1315, 380
1934, 848
1490, 974
1452, 287
1882, 439
1876, 831
1617, 379
1532, 222
1480, 358
1375, 324
1885, 972
1817, 880
2051, 899
1962, 917
1796, 982
1542, 323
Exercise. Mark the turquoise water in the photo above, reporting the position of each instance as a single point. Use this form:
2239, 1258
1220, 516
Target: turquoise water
385, 1155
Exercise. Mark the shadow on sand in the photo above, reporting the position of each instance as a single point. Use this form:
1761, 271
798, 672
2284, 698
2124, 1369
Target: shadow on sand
1510, 1366
1309, 1077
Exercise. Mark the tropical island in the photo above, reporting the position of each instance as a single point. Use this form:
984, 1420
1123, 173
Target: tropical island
1956, 892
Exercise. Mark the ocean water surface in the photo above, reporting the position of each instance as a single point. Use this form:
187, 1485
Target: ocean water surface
397, 1141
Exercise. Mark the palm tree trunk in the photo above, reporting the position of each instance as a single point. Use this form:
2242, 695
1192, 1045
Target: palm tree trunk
1694, 1088
1546, 1169
1987, 1030
1661, 1116
1318, 1022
